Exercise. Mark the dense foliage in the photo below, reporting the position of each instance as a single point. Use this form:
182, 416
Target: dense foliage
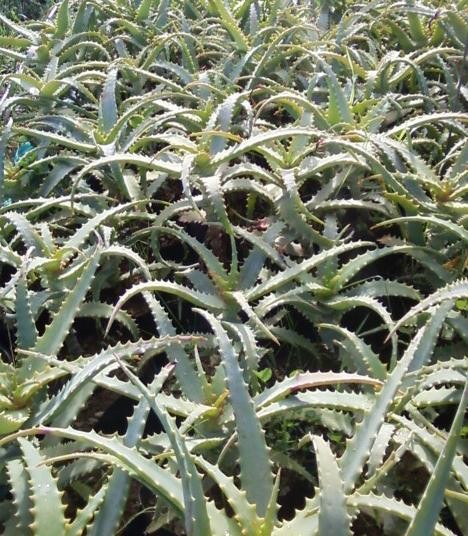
24, 9
244, 226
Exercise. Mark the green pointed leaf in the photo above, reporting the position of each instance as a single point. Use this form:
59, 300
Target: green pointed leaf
47, 507
62, 22
431, 502
52, 339
333, 517
256, 475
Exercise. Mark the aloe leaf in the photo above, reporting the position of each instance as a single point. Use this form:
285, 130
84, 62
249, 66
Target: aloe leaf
347, 303
457, 230
18, 480
229, 22
423, 120
367, 359
158, 480
52, 339
353, 267
31, 84
435, 441
197, 522
144, 10
416, 28
431, 502
196, 298
358, 448
289, 274
290, 96
109, 514
379, 449
20, 29
27, 232
84, 516
333, 517
304, 521
256, 475
289, 180
251, 354
454, 496
185, 371
12, 419
12, 54
255, 143
3, 146
393, 506
240, 299
271, 514
127, 158
453, 291
245, 514
58, 139
212, 186
294, 339
26, 332
295, 406
310, 380
103, 310
108, 107
338, 107
203, 252
223, 116
91, 368
47, 508
263, 249
62, 22
77, 240
382, 288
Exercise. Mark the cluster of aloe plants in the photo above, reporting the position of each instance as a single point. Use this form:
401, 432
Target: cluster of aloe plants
247, 223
